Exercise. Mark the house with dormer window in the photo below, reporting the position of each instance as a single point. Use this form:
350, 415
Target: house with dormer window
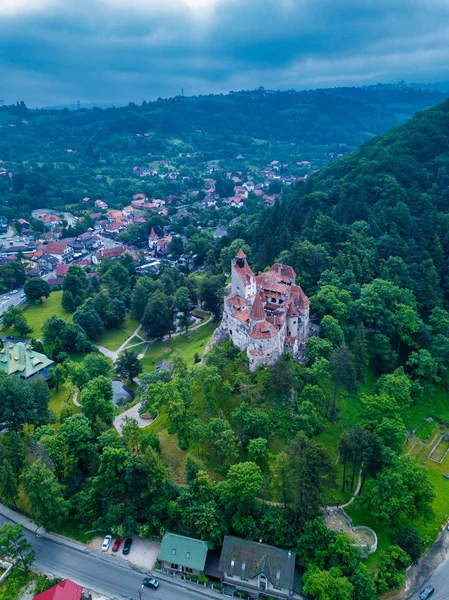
257, 569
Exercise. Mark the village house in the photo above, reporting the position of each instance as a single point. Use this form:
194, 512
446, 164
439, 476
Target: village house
47, 263
21, 360
181, 554
111, 253
64, 590
265, 314
256, 568
62, 252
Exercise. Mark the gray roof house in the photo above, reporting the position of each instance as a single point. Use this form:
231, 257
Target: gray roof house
257, 568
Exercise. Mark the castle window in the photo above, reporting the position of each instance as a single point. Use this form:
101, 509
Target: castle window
230, 332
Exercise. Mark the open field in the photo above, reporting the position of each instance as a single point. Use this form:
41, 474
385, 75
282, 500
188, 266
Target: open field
188, 344
113, 339
37, 314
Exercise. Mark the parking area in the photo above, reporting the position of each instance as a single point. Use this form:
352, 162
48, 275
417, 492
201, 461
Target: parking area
143, 553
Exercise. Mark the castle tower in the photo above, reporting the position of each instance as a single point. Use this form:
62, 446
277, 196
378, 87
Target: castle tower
243, 281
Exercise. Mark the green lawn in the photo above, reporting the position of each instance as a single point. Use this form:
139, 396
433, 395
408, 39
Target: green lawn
113, 339
37, 314
58, 397
194, 342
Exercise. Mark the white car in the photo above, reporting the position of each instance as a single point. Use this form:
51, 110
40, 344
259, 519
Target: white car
14, 291
106, 543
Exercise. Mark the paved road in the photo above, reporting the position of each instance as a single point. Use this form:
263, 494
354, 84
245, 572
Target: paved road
439, 580
8, 299
102, 574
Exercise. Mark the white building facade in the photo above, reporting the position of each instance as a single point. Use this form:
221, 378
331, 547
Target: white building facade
265, 314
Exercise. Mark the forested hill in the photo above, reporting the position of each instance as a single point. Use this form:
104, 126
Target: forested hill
341, 116
379, 212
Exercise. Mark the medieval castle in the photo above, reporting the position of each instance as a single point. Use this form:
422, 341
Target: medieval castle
265, 314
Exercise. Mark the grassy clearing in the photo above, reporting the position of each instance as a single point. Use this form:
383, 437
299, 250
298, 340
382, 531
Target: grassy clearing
113, 339
194, 342
58, 397
425, 429
37, 314
135, 340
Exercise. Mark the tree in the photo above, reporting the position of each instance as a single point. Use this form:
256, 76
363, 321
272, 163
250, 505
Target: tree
75, 282
97, 364
157, 318
359, 350
89, 320
423, 366
78, 374
139, 297
333, 301
327, 585
317, 348
128, 365
391, 569
310, 471
182, 305
14, 317
15, 547
47, 505
257, 450
9, 487
399, 492
22, 402
343, 371
242, 485
36, 289
58, 375
211, 292
96, 400
410, 540
332, 331
68, 302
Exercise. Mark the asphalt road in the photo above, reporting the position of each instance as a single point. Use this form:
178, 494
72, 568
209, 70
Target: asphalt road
102, 574
8, 299
439, 580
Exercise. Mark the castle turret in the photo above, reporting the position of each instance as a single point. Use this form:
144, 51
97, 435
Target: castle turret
243, 280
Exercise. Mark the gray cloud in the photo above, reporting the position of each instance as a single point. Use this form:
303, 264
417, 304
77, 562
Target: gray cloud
60, 51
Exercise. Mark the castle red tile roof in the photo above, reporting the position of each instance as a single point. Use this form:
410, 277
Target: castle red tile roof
241, 254
257, 311
263, 330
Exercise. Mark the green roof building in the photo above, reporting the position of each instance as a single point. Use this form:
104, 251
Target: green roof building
21, 360
182, 554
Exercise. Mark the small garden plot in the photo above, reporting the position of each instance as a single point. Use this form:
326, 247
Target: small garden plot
440, 451
425, 429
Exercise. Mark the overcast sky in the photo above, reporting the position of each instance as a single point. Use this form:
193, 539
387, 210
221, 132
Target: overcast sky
60, 51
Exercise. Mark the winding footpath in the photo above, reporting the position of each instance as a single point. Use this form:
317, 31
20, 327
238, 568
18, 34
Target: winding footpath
126, 346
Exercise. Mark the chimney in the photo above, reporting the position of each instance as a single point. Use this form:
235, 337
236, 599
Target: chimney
289, 553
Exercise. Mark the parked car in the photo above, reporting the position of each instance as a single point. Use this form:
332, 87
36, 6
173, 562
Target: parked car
14, 291
150, 582
116, 545
426, 592
106, 543
22, 295
127, 545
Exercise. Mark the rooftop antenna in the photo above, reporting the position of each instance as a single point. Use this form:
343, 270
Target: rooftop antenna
182, 92
2, 102
78, 104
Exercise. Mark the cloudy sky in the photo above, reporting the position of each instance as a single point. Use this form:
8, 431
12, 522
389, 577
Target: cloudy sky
60, 51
